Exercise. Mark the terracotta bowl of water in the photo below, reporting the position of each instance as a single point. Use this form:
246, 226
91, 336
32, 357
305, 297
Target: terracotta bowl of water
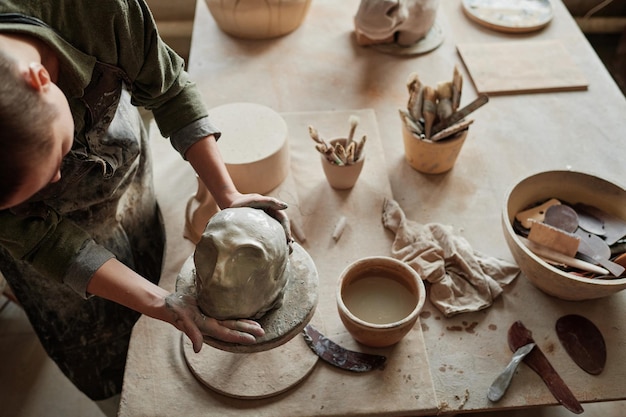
379, 300
572, 187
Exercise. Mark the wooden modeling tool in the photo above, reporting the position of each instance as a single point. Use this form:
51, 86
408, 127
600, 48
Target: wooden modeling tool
429, 109
550, 255
537, 213
354, 122
591, 248
358, 151
340, 152
410, 123
451, 130
519, 336
416, 93
457, 86
444, 100
460, 114
553, 238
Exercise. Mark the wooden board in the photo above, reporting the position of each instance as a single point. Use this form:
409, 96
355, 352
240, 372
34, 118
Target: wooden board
521, 67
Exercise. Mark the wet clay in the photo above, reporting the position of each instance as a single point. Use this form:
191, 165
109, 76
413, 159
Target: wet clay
242, 264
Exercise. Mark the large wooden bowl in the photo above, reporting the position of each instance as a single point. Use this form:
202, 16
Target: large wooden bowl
572, 187
256, 19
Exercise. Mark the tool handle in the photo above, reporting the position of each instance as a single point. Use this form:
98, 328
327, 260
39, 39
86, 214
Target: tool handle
502, 381
460, 114
555, 256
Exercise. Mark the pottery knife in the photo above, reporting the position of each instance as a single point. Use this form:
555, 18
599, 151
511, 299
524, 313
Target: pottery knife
338, 356
519, 336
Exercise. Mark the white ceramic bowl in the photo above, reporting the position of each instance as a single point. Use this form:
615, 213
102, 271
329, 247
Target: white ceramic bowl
366, 308
572, 187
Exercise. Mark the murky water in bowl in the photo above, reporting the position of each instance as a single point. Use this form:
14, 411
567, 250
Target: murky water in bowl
379, 299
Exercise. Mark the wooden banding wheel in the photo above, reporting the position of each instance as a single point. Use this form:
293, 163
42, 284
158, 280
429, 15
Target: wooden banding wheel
260, 370
251, 375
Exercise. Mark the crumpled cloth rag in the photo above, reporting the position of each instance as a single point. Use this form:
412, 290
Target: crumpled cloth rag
461, 279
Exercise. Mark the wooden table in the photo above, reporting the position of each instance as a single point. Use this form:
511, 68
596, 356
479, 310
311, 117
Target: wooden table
319, 68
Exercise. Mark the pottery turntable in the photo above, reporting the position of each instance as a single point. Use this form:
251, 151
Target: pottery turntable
256, 156
258, 371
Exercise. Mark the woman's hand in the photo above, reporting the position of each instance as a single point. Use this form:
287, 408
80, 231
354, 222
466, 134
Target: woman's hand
116, 282
205, 158
272, 206
188, 318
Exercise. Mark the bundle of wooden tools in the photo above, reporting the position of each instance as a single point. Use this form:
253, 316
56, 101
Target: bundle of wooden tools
340, 151
433, 113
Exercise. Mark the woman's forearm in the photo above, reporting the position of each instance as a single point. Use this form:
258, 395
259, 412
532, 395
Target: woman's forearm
204, 156
116, 282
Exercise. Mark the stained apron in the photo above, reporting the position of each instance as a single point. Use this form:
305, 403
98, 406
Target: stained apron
111, 196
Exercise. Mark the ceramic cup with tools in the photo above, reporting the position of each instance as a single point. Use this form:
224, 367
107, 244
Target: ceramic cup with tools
434, 127
430, 157
342, 175
379, 300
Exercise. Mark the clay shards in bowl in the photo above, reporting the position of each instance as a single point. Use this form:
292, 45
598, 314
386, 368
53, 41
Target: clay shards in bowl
572, 187
379, 300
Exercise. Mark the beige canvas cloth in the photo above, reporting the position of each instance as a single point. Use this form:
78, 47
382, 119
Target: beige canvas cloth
461, 279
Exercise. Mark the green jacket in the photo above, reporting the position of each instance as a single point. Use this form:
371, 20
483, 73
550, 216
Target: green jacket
89, 35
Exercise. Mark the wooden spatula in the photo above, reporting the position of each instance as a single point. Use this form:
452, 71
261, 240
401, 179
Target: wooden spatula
519, 336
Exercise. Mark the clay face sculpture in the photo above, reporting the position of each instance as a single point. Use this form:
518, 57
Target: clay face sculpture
388, 21
242, 264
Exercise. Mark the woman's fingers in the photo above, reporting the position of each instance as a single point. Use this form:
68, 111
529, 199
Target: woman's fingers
259, 201
272, 206
244, 325
232, 331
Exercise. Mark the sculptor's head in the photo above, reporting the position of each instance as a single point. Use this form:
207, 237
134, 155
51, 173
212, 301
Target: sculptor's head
36, 129
242, 264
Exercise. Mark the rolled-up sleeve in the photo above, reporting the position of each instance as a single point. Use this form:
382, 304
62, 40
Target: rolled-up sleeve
158, 78
182, 139
54, 246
